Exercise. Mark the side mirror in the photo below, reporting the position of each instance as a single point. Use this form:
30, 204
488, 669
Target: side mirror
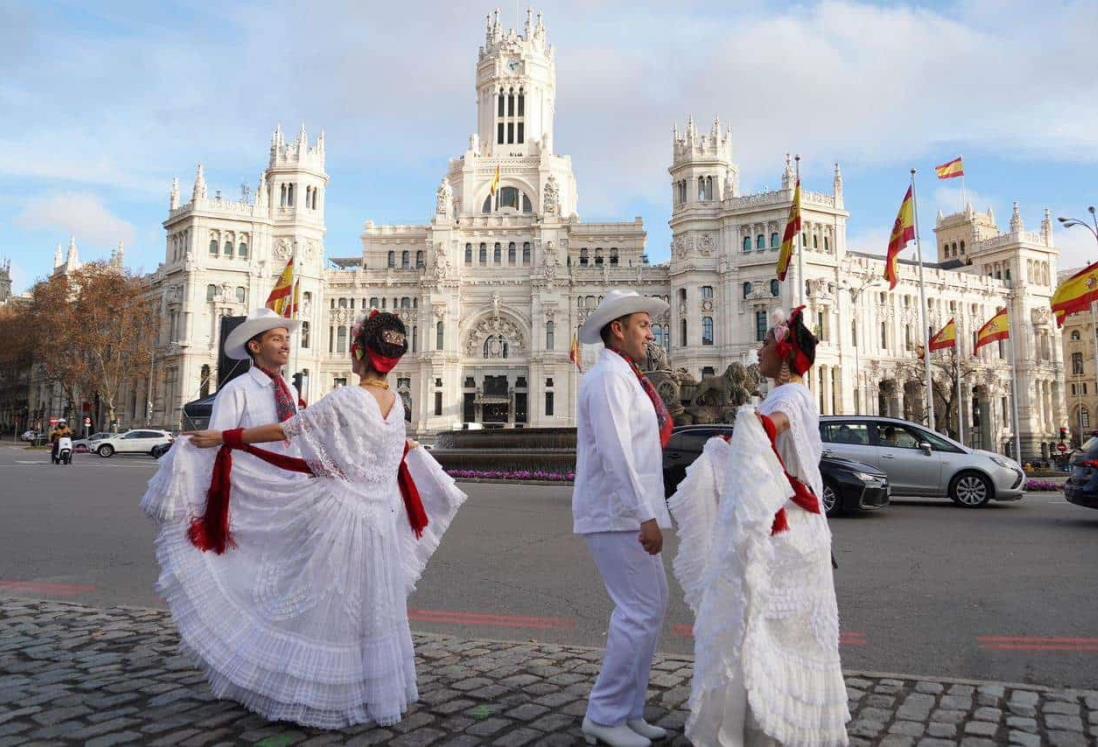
924, 447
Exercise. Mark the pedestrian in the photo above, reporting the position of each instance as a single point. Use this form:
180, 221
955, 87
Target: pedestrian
618, 506
755, 565
294, 603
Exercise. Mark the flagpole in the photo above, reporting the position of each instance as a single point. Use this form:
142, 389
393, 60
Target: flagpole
293, 315
964, 192
960, 403
922, 308
1014, 382
800, 246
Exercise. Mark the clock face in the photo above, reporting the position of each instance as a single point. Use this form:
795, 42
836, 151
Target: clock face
513, 66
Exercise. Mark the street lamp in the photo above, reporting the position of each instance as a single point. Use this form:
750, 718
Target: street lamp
1072, 223
856, 291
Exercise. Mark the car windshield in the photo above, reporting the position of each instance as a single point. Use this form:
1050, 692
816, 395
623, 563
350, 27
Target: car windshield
1091, 445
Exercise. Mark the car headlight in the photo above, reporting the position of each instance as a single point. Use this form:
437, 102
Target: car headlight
1004, 463
866, 478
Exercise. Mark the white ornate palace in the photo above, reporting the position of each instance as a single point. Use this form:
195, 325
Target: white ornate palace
493, 287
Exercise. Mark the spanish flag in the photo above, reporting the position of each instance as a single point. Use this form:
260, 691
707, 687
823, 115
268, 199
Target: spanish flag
1076, 294
951, 170
903, 231
279, 300
575, 353
945, 338
495, 183
997, 328
792, 228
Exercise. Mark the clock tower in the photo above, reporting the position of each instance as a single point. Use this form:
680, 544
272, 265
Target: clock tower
516, 90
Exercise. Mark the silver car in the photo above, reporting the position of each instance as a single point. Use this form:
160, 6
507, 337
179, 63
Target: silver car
919, 462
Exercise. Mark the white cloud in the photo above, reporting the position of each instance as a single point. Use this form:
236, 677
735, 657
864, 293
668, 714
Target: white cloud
75, 214
1077, 247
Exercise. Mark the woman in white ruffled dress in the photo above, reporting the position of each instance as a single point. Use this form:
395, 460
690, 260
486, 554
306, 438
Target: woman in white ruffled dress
755, 565
303, 617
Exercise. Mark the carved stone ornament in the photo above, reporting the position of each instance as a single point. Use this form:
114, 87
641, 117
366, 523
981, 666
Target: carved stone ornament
174, 294
551, 198
283, 249
707, 244
1040, 315
441, 269
680, 246
444, 199
502, 331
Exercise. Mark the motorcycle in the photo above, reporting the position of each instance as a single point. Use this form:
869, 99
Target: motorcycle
64, 451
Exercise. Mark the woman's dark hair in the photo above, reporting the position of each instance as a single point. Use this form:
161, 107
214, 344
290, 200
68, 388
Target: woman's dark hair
803, 339
372, 335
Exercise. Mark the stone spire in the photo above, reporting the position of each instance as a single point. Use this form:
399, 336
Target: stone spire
302, 138
1046, 229
72, 259
1016, 225
838, 186
261, 192
199, 192
173, 196
789, 176
118, 256
58, 257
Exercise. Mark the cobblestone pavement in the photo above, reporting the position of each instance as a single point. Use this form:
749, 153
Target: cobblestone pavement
75, 674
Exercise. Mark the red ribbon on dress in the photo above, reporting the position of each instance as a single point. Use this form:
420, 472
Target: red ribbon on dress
663, 417
802, 494
211, 531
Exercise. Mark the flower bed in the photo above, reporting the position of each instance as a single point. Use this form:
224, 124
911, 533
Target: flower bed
1043, 485
516, 475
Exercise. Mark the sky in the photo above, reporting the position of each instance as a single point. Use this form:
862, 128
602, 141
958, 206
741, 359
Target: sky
102, 104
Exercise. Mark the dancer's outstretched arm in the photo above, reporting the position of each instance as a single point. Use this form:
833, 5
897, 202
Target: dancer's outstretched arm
780, 421
261, 434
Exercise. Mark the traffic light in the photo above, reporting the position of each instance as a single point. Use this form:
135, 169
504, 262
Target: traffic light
1063, 434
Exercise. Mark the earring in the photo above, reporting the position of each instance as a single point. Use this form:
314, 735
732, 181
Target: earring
785, 373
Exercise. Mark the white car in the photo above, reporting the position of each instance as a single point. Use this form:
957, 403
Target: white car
82, 445
138, 441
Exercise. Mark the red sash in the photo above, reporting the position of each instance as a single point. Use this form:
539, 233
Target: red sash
211, 531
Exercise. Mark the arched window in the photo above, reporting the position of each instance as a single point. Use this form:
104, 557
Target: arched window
583, 257
747, 287
760, 242
775, 287
761, 325
440, 336
747, 243
827, 244
228, 248
613, 256
290, 196
241, 294
709, 188
483, 253
682, 332
526, 252
512, 253
1077, 364
308, 197
707, 330
282, 196
598, 256
815, 241
707, 291
1084, 418
211, 292
373, 302
415, 338
549, 335
343, 303
341, 340
854, 333
392, 259
419, 259
468, 254
497, 253
962, 247
213, 247
775, 240
405, 260
242, 250
405, 303
701, 188
305, 335
1074, 334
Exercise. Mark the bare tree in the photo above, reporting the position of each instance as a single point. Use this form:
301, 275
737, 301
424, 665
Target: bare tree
15, 363
51, 331
945, 369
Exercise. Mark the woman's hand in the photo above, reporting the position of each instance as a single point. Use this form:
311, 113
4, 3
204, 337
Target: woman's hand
411, 444
205, 439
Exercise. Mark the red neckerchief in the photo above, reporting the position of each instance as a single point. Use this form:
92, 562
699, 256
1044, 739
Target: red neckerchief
802, 494
663, 417
284, 398
211, 531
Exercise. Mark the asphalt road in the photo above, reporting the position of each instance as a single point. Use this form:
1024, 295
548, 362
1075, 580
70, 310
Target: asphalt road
1004, 593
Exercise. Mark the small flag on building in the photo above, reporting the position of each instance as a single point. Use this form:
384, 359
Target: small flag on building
945, 338
903, 232
575, 353
951, 170
495, 182
1076, 294
792, 229
997, 328
280, 299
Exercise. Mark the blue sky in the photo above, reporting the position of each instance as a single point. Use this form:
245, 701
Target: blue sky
102, 104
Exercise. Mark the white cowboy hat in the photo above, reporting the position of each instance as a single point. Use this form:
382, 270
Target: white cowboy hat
616, 304
258, 322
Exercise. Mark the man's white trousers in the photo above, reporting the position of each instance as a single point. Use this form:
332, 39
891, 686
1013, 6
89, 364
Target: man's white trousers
637, 585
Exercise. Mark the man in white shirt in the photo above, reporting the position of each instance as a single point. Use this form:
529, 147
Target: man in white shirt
618, 506
262, 395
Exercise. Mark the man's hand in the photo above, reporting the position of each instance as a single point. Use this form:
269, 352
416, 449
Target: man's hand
205, 439
650, 537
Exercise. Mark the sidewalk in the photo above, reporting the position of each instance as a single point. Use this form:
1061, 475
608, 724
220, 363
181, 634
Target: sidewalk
75, 674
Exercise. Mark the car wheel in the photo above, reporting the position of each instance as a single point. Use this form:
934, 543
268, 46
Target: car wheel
970, 489
105, 450
832, 506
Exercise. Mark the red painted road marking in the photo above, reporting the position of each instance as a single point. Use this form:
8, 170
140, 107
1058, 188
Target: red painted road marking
1035, 643
36, 587
845, 638
444, 617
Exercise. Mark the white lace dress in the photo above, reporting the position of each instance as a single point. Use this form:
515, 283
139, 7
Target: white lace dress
766, 630
306, 619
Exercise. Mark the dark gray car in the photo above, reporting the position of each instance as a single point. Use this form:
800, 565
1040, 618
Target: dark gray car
919, 462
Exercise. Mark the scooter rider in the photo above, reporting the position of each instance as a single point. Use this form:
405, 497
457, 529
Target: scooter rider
62, 431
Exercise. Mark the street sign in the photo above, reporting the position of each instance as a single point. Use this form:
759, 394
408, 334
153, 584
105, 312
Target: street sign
87, 422
53, 422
